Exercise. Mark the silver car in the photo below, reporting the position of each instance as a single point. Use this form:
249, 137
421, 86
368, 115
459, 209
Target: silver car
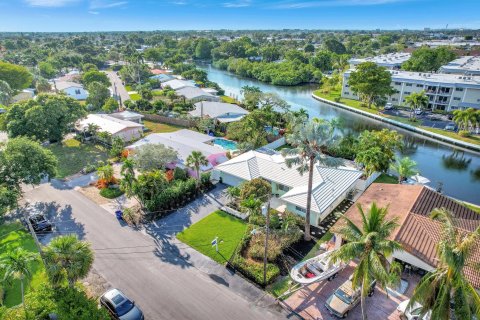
119, 306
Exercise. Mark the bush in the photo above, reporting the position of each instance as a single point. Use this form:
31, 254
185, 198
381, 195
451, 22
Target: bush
111, 193
256, 250
464, 133
254, 270
180, 174
132, 216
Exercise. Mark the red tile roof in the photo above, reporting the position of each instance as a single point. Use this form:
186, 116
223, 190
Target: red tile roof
417, 232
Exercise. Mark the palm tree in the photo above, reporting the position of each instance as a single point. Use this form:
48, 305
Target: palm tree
128, 176
232, 193
447, 281
5, 92
67, 258
405, 168
416, 100
195, 160
16, 265
251, 206
310, 142
369, 244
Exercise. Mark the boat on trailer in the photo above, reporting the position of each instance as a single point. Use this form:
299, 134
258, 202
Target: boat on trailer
316, 269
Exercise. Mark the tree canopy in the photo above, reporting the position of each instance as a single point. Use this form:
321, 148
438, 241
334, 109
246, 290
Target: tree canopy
98, 94
150, 157
92, 76
48, 117
371, 82
428, 59
17, 77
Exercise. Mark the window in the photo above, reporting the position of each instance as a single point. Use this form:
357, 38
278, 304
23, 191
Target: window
459, 89
456, 98
394, 99
398, 83
282, 187
346, 86
407, 92
346, 92
77, 91
300, 209
419, 85
408, 84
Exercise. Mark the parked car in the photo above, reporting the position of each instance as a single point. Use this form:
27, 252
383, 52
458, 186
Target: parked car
412, 313
37, 220
418, 112
450, 127
119, 306
345, 298
389, 106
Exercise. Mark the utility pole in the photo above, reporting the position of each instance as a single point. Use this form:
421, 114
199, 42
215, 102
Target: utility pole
265, 211
34, 235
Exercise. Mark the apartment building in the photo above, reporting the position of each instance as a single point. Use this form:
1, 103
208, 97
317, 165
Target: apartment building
466, 65
392, 61
445, 91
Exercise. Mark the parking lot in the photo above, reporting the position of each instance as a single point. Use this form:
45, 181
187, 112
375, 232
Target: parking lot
427, 118
309, 302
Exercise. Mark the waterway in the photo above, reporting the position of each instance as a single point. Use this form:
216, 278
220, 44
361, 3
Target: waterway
457, 171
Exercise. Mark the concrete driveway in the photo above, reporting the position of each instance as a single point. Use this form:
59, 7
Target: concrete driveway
165, 279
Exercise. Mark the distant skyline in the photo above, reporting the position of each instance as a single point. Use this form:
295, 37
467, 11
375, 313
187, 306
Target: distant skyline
146, 15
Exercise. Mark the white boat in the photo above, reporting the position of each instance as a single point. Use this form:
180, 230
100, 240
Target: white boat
316, 269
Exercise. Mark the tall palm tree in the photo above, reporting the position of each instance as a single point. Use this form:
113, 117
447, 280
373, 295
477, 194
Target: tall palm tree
416, 100
369, 244
6, 93
447, 281
195, 160
309, 144
67, 258
16, 265
404, 167
128, 176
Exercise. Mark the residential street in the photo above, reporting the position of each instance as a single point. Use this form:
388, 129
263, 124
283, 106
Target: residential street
167, 279
117, 83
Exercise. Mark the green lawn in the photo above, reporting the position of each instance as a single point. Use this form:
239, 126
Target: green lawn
385, 178
332, 95
10, 239
135, 96
73, 156
228, 99
156, 127
227, 228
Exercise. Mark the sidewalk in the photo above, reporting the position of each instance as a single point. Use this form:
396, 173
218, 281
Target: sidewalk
164, 231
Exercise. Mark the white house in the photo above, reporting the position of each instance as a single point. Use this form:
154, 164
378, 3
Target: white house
126, 130
223, 112
72, 89
194, 94
128, 116
184, 142
176, 84
330, 185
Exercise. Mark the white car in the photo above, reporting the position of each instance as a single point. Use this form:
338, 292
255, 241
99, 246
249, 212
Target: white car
418, 112
412, 313
388, 106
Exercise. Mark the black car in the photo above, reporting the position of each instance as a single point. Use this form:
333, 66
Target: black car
119, 306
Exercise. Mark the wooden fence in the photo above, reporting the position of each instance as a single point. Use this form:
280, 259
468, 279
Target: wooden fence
187, 123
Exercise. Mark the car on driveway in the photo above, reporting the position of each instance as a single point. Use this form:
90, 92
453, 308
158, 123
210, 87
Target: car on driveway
119, 306
450, 127
345, 298
418, 112
412, 312
389, 106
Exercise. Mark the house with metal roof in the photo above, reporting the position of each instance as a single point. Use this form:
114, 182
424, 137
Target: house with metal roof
176, 84
194, 94
223, 112
71, 89
162, 77
126, 130
128, 116
418, 234
330, 185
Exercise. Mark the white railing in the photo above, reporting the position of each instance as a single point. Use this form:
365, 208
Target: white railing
275, 144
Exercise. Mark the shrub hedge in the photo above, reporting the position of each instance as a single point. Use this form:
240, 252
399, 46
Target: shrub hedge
111, 193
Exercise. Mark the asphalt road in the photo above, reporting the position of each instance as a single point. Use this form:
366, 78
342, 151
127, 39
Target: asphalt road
117, 83
163, 284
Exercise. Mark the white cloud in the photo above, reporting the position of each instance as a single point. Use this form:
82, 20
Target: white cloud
104, 4
93, 12
238, 4
331, 3
50, 3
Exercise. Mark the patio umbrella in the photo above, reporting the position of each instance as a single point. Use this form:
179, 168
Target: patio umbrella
419, 179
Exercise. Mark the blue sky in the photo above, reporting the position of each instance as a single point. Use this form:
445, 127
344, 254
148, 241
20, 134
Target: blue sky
113, 15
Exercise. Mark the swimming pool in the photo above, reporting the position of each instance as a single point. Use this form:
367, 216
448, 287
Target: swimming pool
225, 144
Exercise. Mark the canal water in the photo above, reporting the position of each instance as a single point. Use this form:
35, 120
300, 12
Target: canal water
457, 171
